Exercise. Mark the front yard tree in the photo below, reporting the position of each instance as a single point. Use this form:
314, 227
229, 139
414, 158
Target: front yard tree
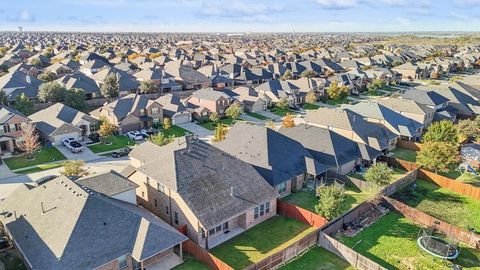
161, 139
442, 131
46, 76
167, 124
234, 111
330, 201
467, 129
24, 105
270, 124
287, 75
282, 103
31, 140
220, 133
74, 168
110, 87
438, 156
336, 91
75, 98
311, 97
288, 121
379, 173
308, 74
214, 117
51, 92
107, 128
147, 87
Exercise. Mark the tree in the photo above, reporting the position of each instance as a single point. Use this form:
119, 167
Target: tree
167, 124
160, 139
270, 124
467, 129
442, 131
107, 128
31, 140
74, 168
308, 74
110, 86
147, 87
438, 156
234, 111
24, 105
51, 92
335, 91
36, 62
288, 121
376, 85
220, 133
311, 97
379, 173
3, 98
330, 201
46, 76
282, 103
287, 75
214, 117
75, 98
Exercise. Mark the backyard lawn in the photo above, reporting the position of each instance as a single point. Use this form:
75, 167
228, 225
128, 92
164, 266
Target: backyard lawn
466, 177
257, 115
280, 111
176, 131
442, 203
392, 242
405, 154
396, 174
318, 258
310, 106
190, 263
261, 241
117, 142
210, 125
44, 155
12, 263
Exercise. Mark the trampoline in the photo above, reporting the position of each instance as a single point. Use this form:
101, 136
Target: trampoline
437, 247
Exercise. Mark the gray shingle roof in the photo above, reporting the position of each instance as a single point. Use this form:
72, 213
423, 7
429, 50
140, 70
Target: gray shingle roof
110, 183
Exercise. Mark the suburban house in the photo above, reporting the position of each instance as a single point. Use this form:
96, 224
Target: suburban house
16, 83
352, 126
174, 109
212, 100
411, 71
340, 154
82, 81
164, 81
277, 90
60, 225
186, 76
126, 82
11, 122
60, 121
251, 100
410, 109
282, 161
131, 112
189, 182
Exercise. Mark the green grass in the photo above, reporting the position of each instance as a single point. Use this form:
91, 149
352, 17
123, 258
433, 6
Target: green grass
45, 155
442, 203
405, 154
318, 258
353, 197
117, 142
452, 174
389, 89
391, 242
190, 263
210, 125
310, 106
335, 102
396, 174
373, 93
469, 178
12, 263
176, 131
42, 167
261, 241
258, 116
280, 111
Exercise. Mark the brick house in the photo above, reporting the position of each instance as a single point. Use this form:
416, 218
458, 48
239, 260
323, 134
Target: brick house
11, 122
212, 100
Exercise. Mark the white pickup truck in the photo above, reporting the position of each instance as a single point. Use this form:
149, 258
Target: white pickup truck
73, 145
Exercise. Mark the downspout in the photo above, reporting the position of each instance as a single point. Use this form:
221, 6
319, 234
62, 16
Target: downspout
170, 205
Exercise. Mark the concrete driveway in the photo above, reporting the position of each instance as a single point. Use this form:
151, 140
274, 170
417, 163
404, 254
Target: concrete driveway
202, 133
85, 155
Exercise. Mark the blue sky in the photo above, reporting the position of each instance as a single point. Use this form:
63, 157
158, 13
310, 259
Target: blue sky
241, 15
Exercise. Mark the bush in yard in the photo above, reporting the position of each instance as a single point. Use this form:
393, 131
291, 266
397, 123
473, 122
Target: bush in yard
220, 133
46, 76
442, 131
234, 111
308, 74
51, 92
288, 121
330, 201
287, 75
214, 117
467, 129
282, 103
379, 173
438, 156
74, 168
270, 124
24, 105
167, 124
160, 139
107, 128
31, 140
311, 97
335, 91
147, 87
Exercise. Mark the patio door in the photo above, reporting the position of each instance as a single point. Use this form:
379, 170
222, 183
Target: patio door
225, 226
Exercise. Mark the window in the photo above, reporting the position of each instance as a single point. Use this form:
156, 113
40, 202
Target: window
218, 228
142, 111
176, 217
211, 231
143, 193
154, 110
267, 207
255, 213
147, 180
161, 188
203, 232
122, 262
282, 187
155, 202
166, 208
262, 210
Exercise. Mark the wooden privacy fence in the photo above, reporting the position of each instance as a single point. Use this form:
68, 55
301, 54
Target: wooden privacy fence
204, 256
454, 232
450, 184
300, 214
357, 260
399, 163
409, 145
405, 181
286, 254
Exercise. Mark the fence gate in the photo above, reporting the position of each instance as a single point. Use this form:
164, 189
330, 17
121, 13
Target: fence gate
290, 252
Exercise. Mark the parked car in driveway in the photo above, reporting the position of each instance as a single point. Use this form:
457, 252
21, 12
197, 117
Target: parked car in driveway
135, 135
145, 133
72, 145
121, 152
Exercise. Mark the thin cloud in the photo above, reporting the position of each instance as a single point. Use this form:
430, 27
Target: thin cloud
22, 16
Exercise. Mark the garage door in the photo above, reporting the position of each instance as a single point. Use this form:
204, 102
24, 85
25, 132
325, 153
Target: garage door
130, 127
180, 119
57, 140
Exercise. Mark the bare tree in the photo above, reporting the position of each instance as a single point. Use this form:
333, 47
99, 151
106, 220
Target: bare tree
31, 142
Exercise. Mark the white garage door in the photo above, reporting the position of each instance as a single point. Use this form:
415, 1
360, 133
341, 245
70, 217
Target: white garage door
180, 119
58, 139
